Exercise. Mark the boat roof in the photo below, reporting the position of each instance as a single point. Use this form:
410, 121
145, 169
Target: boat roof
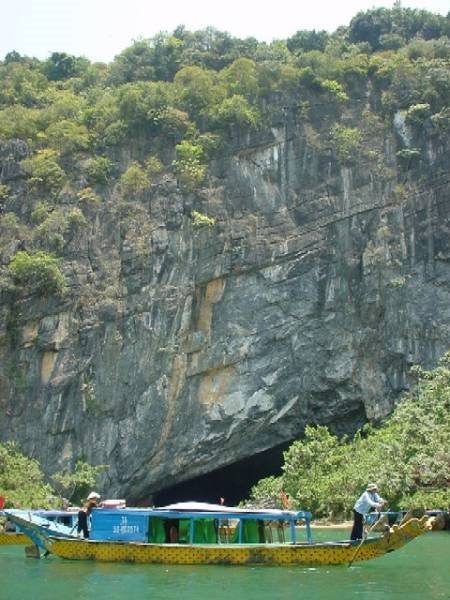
185, 510
220, 508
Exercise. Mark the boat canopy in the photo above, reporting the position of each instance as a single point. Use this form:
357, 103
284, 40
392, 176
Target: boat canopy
234, 512
196, 520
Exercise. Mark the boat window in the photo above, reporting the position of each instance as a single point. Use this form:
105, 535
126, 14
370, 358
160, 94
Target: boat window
157, 532
252, 532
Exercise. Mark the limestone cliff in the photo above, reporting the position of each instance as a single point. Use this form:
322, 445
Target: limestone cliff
180, 347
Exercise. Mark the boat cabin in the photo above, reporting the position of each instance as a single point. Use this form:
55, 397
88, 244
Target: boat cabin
197, 523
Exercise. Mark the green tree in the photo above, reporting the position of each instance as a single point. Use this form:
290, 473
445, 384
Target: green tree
20, 123
417, 114
133, 64
196, 88
304, 41
310, 468
346, 142
74, 486
157, 58
241, 78
62, 66
45, 174
97, 169
188, 165
134, 180
38, 272
235, 111
167, 51
21, 83
22, 481
140, 104
51, 231
67, 136
23, 484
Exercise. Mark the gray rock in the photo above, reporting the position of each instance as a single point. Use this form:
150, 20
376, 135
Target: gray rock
181, 349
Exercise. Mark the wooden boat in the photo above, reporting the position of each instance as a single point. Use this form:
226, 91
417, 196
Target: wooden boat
190, 533
30, 525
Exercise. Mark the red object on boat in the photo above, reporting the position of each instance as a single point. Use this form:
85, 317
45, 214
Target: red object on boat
2, 502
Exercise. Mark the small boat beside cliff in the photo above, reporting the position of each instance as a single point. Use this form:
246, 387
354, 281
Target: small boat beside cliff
198, 533
31, 523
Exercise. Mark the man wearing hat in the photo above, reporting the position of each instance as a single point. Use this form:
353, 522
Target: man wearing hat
368, 500
83, 514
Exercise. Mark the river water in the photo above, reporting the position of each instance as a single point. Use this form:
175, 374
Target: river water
419, 571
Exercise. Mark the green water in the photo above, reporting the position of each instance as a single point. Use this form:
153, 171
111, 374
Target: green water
421, 570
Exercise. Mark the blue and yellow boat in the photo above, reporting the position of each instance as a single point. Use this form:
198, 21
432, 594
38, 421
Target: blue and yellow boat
197, 533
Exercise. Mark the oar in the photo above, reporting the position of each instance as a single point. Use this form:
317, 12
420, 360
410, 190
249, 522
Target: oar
408, 514
377, 522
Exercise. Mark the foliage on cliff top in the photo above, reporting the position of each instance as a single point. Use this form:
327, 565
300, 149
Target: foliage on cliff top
408, 456
187, 98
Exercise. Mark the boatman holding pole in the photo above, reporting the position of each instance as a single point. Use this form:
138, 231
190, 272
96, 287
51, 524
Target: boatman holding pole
368, 500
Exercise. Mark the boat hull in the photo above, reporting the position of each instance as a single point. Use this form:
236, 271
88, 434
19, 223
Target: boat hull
329, 553
14, 539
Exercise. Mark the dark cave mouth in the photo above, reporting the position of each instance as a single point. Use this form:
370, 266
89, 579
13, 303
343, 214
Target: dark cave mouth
232, 483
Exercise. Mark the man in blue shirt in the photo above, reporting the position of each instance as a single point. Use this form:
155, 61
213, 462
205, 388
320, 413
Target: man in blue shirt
368, 500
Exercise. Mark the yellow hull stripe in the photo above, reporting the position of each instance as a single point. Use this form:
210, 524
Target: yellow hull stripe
233, 554
11, 539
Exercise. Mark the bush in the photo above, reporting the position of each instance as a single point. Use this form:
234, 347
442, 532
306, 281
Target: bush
4, 191
66, 136
23, 485
201, 220
88, 196
19, 122
45, 173
75, 486
76, 218
134, 181
188, 165
21, 480
417, 114
39, 272
267, 493
11, 229
334, 89
346, 142
52, 228
406, 155
97, 169
153, 166
235, 111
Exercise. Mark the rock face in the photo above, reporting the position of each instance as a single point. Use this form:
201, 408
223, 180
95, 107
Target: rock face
181, 348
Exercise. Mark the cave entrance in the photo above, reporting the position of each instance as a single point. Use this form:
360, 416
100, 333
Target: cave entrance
233, 482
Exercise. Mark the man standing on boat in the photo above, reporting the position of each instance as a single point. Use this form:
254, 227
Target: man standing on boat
368, 500
84, 513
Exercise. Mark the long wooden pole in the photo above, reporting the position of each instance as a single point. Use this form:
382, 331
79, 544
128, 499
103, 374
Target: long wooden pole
364, 538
